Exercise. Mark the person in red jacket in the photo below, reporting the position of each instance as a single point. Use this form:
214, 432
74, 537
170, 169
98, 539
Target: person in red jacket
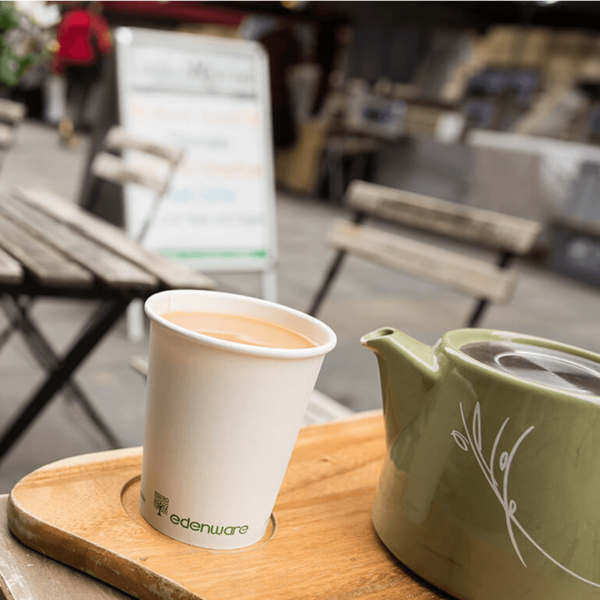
84, 38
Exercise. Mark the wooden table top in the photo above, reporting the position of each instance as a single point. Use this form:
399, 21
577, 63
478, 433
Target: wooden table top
51, 243
84, 512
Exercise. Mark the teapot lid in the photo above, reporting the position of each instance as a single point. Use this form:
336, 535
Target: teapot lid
542, 365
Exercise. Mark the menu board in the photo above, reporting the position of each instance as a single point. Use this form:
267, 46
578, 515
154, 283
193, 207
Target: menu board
209, 96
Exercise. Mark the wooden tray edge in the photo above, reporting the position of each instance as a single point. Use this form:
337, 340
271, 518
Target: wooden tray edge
140, 582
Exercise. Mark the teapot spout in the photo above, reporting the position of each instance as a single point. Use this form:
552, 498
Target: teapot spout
408, 369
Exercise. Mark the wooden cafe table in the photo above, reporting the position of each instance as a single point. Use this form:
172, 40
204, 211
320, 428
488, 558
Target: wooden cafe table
52, 248
83, 511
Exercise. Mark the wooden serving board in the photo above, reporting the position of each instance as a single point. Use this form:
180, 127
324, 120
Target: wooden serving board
28, 575
83, 512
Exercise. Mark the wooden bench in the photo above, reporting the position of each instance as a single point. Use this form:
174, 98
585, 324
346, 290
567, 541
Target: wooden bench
485, 281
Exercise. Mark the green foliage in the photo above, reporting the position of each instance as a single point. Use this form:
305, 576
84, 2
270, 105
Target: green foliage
8, 16
20, 45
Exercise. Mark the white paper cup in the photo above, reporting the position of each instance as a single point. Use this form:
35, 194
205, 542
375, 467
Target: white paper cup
221, 419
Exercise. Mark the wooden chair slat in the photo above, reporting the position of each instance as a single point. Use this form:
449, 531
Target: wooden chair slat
115, 169
591, 228
46, 264
10, 269
119, 139
12, 112
463, 273
110, 268
483, 227
173, 274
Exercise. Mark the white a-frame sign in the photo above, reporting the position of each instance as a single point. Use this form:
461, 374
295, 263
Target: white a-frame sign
209, 96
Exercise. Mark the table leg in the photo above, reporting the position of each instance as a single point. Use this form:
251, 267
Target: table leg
8, 331
18, 313
101, 322
13, 321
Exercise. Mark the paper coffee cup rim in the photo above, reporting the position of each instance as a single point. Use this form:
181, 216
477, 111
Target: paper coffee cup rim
258, 351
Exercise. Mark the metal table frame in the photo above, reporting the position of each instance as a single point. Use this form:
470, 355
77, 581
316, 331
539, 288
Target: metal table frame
17, 301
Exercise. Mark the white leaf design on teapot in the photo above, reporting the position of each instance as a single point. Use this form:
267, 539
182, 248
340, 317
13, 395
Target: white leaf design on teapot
471, 440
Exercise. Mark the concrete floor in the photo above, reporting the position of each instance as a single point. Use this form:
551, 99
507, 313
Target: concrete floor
364, 298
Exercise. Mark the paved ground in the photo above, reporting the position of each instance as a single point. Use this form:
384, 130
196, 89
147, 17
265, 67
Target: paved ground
365, 297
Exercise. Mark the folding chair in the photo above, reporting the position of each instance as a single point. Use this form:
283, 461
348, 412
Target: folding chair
115, 169
486, 282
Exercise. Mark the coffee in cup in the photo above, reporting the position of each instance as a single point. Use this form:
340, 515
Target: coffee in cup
240, 329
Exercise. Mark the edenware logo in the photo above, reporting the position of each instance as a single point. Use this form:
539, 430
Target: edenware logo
161, 504
187, 523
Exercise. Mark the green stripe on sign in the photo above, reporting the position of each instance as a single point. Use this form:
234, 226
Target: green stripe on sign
214, 253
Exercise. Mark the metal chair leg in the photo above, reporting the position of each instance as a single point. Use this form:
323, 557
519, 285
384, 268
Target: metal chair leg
333, 270
482, 304
329, 277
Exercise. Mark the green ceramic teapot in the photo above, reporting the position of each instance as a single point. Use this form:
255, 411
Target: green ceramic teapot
491, 485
